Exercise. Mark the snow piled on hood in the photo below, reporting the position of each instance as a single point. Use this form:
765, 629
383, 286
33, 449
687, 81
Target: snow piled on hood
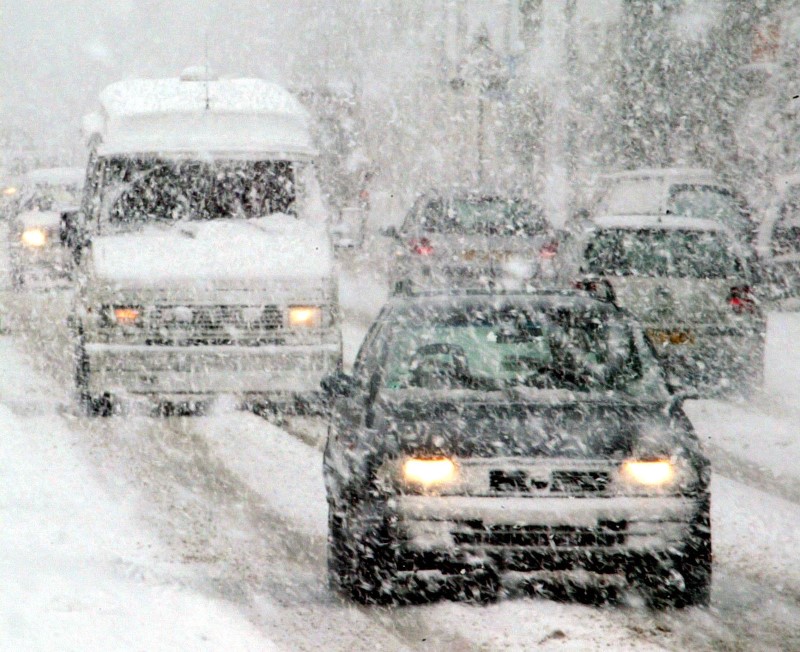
276, 246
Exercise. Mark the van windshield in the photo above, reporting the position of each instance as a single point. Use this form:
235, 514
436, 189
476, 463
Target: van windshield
138, 191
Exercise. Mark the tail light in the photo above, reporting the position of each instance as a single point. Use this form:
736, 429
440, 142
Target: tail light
421, 246
741, 300
549, 250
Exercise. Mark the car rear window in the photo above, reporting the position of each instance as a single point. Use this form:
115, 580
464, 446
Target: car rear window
482, 216
680, 253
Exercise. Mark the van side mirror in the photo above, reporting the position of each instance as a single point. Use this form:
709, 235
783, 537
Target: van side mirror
338, 384
390, 232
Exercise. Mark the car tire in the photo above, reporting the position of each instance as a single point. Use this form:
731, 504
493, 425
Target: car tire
90, 406
360, 568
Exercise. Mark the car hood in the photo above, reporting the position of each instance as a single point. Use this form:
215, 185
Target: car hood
514, 427
278, 246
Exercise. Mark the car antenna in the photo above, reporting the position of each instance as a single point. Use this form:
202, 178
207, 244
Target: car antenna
208, 103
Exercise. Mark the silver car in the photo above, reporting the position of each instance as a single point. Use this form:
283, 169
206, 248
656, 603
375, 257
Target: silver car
686, 280
37, 234
471, 240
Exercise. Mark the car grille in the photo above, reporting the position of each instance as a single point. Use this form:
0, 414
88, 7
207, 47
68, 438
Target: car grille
557, 482
607, 533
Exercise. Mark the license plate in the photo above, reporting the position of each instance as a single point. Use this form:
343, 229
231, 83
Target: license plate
485, 256
674, 338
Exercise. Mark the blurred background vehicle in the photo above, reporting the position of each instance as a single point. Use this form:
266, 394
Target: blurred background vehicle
778, 241
687, 280
462, 239
38, 233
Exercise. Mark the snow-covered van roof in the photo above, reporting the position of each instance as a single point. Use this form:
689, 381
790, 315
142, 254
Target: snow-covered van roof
55, 177
657, 222
187, 116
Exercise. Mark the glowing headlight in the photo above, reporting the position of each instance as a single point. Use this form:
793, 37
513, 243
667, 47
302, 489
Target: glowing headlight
34, 237
305, 317
9, 191
429, 472
126, 316
657, 473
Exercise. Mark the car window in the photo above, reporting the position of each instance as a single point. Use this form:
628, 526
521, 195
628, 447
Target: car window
786, 232
680, 253
485, 215
494, 349
707, 202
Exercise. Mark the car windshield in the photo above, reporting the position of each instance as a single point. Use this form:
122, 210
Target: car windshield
680, 253
486, 215
492, 349
50, 197
147, 190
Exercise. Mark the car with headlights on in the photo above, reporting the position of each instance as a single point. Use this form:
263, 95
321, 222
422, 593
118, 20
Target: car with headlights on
470, 239
493, 441
38, 231
687, 281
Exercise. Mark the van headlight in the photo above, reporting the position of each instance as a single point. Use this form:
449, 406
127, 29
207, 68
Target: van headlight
305, 317
34, 237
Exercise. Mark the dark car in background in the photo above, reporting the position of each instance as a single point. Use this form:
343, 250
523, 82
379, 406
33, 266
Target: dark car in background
463, 239
489, 441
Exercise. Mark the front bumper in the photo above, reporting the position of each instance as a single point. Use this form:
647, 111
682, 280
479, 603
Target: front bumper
528, 535
269, 372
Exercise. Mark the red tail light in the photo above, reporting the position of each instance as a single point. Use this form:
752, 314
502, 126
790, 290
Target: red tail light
742, 301
549, 250
421, 246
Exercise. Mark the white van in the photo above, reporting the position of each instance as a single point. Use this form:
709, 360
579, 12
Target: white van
208, 267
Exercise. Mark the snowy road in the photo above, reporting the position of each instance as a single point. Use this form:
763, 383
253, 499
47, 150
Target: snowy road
234, 510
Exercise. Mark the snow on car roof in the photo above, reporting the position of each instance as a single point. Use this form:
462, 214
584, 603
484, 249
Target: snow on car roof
656, 222
694, 174
230, 116
56, 176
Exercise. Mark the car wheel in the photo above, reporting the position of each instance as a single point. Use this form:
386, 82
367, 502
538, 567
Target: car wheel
102, 406
360, 567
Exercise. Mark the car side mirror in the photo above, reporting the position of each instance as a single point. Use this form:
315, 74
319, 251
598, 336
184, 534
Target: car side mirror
338, 384
390, 232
